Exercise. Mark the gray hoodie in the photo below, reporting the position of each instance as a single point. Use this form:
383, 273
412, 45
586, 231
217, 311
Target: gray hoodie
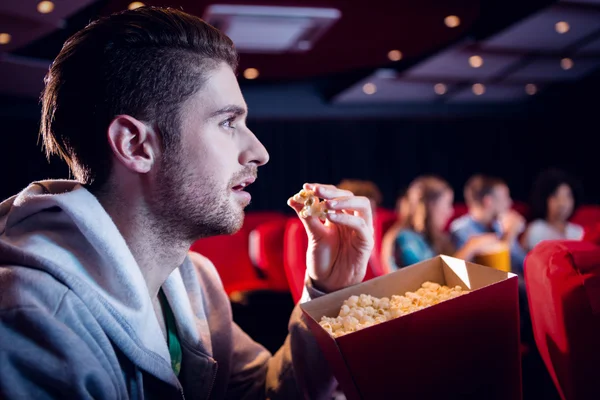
76, 319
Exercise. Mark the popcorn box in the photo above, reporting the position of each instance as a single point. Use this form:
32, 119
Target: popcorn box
463, 348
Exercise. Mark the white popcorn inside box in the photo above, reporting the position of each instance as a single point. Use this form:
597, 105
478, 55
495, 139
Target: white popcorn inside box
359, 359
359, 312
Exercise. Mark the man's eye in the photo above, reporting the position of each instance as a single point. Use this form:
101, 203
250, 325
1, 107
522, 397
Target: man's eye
228, 123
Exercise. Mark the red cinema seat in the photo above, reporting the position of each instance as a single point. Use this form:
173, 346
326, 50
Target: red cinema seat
522, 208
586, 215
374, 268
563, 285
592, 233
230, 255
384, 219
255, 218
295, 243
266, 252
460, 209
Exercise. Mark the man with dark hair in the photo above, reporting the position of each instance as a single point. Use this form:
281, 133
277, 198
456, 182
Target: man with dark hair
489, 202
99, 297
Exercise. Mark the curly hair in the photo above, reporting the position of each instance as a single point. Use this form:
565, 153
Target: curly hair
545, 186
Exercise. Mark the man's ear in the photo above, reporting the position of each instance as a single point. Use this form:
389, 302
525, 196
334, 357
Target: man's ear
134, 144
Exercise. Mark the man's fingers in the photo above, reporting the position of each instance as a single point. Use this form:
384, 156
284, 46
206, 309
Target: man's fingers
294, 204
358, 224
327, 191
355, 205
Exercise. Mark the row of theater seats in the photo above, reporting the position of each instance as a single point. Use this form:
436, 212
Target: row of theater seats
562, 278
269, 252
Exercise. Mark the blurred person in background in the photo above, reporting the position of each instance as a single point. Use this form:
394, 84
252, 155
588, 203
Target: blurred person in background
402, 205
366, 189
419, 233
369, 190
489, 202
401, 211
553, 202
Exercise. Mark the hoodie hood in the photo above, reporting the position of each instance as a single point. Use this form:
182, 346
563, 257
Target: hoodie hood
61, 228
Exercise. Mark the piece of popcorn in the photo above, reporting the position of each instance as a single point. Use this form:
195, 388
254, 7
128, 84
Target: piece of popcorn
303, 195
368, 323
314, 210
352, 301
312, 205
365, 300
369, 310
411, 295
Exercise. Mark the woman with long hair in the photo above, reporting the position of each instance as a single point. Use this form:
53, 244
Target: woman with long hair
419, 232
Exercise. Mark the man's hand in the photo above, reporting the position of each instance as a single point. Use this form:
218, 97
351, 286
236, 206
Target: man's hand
512, 224
476, 245
339, 249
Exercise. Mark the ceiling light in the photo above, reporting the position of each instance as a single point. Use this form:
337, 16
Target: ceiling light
271, 29
45, 7
395, 55
369, 88
251, 73
452, 21
440, 88
566, 63
562, 27
135, 4
475, 61
5, 38
530, 89
478, 89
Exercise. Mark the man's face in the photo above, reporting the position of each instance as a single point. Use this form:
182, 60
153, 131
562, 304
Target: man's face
501, 201
198, 190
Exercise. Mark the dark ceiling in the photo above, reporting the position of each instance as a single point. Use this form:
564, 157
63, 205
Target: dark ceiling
362, 38
354, 51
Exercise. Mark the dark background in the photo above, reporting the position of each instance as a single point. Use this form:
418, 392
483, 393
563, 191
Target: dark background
311, 139
560, 130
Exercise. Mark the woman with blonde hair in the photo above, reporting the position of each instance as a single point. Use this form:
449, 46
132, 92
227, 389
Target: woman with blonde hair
419, 232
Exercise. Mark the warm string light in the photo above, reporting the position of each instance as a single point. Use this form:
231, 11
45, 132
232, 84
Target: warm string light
452, 21
440, 88
475, 61
562, 27
251, 73
5, 38
369, 88
135, 4
566, 63
530, 89
395, 55
45, 7
478, 89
